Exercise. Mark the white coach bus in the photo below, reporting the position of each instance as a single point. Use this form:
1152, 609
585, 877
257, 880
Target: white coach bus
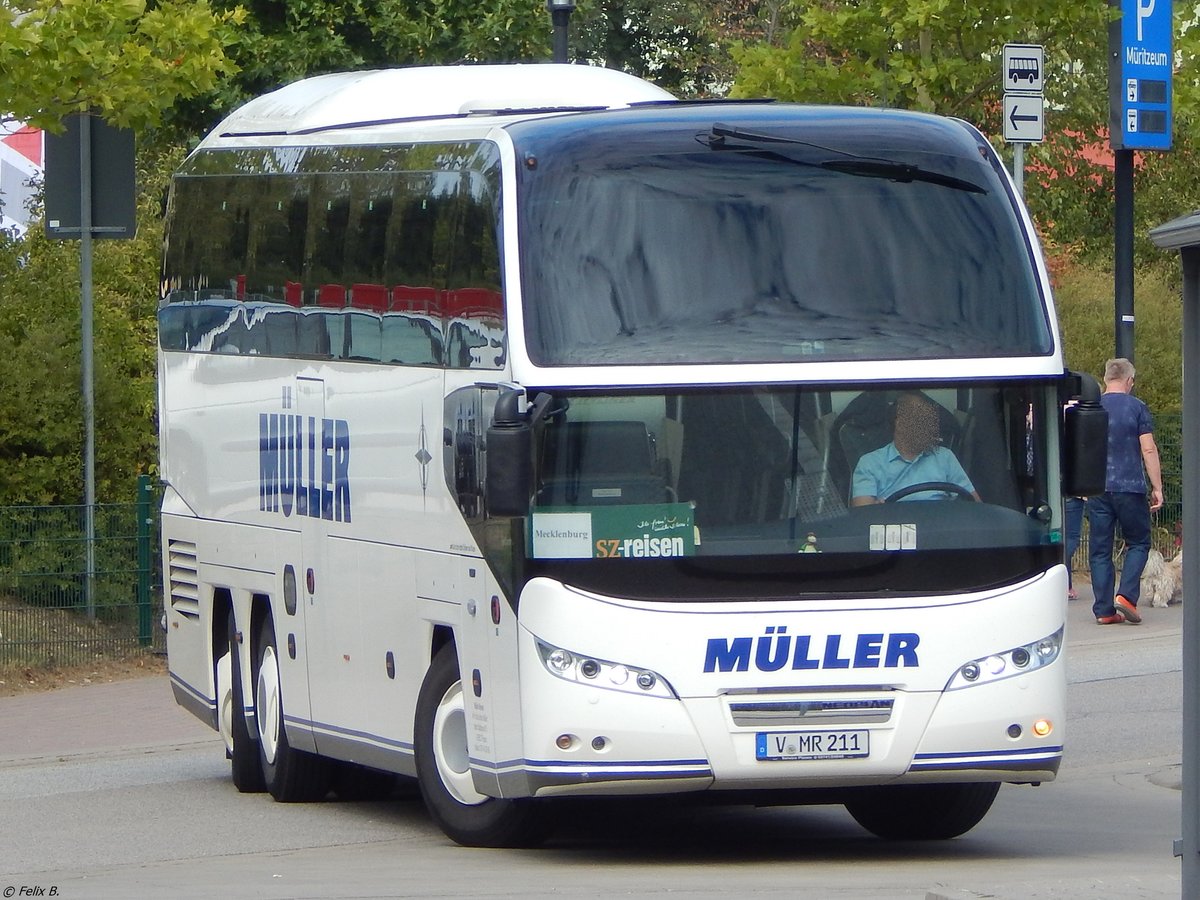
511, 427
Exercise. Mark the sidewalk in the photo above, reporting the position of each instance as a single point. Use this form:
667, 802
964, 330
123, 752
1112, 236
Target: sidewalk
137, 714
1082, 627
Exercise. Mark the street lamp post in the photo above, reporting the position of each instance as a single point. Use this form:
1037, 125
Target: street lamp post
560, 15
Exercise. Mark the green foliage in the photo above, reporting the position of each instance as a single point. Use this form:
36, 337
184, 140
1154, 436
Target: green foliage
281, 42
119, 57
41, 420
1084, 293
933, 55
677, 44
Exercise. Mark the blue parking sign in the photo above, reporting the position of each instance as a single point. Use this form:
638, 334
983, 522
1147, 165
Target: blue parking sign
1139, 78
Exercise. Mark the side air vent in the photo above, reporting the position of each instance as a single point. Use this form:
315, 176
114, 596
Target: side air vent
185, 585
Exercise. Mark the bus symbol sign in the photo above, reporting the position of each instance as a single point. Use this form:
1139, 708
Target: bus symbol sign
1024, 68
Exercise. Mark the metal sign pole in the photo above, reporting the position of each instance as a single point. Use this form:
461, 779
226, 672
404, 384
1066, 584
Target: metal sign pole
1123, 294
89, 408
1019, 168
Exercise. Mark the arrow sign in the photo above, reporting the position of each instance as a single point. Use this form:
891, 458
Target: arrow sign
1023, 120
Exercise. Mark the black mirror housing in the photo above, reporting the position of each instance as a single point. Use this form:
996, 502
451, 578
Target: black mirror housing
509, 458
1085, 441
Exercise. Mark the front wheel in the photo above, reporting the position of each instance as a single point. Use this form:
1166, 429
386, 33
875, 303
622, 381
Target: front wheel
922, 812
444, 771
292, 776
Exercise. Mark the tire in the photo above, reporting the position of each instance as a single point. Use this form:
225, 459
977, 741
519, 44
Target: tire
444, 776
243, 749
922, 812
291, 776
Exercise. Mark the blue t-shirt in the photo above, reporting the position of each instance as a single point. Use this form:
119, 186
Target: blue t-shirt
882, 472
1128, 419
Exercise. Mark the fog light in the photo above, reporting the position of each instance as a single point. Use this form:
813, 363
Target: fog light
1014, 731
1042, 727
599, 743
564, 741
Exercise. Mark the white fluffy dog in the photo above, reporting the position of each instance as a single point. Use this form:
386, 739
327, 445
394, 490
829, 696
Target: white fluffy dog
1162, 580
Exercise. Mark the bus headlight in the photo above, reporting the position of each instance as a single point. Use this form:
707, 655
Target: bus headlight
1017, 661
602, 673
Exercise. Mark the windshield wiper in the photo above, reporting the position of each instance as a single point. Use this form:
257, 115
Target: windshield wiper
848, 164
902, 172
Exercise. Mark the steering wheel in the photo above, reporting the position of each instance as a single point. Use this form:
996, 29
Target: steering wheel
947, 487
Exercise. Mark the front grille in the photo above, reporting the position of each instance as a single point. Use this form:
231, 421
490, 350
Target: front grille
778, 713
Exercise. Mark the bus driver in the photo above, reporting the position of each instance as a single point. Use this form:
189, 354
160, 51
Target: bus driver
913, 456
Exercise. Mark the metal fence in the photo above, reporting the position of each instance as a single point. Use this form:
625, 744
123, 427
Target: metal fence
48, 615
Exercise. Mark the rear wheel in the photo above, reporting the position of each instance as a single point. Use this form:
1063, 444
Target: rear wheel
922, 812
444, 772
243, 751
292, 776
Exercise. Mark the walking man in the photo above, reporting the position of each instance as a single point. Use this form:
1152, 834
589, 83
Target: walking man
1132, 458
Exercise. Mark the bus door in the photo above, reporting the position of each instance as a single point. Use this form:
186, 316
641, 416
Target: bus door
331, 604
487, 631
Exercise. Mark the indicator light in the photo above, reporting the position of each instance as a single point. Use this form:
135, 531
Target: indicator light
1043, 727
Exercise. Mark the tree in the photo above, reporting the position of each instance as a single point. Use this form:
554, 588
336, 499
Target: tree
281, 42
117, 57
41, 419
129, 63
934, 55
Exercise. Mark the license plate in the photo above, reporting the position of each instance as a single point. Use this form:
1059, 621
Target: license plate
812, 744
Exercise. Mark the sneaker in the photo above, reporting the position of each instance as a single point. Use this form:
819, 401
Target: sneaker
1127, 609
1115, 619
1072, 594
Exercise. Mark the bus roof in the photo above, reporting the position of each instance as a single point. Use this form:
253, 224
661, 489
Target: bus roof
347, 99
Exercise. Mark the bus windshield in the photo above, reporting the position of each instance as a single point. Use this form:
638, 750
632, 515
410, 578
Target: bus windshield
786, 491
713, 244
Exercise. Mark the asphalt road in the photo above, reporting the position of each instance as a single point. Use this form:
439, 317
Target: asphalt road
112, 791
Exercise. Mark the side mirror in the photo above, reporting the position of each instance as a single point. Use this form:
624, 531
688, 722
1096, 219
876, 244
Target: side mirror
509, 458
1085, 441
